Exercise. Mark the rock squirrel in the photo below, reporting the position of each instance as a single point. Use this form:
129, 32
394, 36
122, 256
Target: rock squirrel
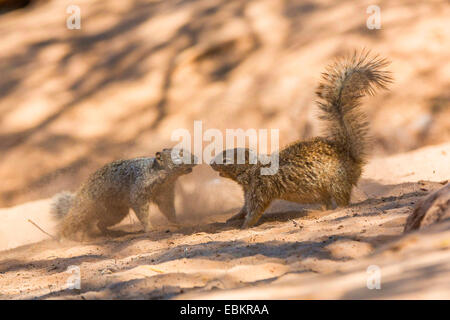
322, 170
108, 194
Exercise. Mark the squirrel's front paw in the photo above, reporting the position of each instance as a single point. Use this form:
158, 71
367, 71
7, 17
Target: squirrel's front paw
250, 221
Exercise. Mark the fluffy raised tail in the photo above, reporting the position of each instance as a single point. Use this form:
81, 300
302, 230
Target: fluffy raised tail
61, 204
343, 85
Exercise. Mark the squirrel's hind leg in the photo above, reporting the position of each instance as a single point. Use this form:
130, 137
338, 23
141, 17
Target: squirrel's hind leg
77, 224
342, 196
329, 204
110, 215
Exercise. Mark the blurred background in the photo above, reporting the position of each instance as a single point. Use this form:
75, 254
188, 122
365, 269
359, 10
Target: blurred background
72, 100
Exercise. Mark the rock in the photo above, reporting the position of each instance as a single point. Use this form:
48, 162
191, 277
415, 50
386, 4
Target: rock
434, 208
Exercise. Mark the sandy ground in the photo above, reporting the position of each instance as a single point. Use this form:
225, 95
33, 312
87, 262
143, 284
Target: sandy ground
294, 253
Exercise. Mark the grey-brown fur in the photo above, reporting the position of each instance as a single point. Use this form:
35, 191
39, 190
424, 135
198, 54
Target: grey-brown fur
61, 204
108, 194
322, 170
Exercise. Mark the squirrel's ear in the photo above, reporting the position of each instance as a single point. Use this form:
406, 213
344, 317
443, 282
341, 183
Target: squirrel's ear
158, 155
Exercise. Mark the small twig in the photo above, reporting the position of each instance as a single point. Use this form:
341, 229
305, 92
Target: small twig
34, 224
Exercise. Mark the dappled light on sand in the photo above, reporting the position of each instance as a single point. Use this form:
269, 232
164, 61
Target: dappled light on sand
72, 101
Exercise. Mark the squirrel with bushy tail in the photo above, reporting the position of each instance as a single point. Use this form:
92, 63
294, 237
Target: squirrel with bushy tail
106, 197
322, 170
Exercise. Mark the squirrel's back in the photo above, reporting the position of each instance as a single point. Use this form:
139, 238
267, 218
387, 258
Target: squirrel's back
115, 175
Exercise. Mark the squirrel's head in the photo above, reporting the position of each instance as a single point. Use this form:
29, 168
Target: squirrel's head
176, 160
231, 163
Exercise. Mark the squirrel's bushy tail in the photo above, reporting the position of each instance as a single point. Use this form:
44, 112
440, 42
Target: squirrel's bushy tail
343, 85
61, 204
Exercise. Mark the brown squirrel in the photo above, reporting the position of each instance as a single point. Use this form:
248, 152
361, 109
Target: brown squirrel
108, 194
322, 170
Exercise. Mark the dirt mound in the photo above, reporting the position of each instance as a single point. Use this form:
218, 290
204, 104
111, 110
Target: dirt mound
433, 209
